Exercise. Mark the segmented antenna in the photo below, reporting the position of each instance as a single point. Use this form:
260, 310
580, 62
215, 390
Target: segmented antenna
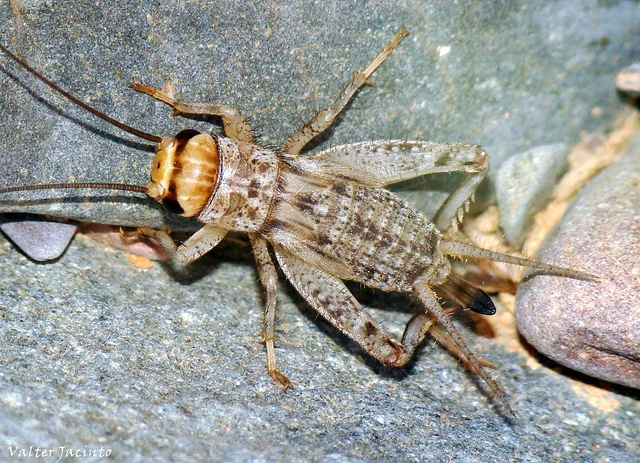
87, 185
69, 96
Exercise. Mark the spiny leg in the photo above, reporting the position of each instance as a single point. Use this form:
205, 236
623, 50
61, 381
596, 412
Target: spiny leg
430, 301
446, 341
417, 329
386, 162
394, 161
330, 298
457, 203
234, 123
269, 279
195, 247
321, 121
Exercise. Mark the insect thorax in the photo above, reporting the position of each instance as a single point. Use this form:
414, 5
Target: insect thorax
246, 186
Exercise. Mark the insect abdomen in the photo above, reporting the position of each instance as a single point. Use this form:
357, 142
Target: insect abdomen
363, 234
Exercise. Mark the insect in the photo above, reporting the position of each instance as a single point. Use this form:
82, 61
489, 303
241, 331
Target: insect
327, 218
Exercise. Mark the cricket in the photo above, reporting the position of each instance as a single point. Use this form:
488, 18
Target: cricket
324, 218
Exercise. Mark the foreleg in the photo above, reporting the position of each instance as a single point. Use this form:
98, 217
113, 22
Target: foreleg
195, 247
235, 125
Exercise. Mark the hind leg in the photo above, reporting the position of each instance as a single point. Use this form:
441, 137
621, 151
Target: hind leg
428, 298
330, 298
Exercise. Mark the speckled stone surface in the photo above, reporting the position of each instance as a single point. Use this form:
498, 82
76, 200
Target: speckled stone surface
162, 367
158, 366
593, 327
507, 76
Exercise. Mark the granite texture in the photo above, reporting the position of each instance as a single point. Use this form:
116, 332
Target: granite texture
162, 366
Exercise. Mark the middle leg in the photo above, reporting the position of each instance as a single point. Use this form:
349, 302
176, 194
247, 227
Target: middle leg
198, 244
269, 279
321, 121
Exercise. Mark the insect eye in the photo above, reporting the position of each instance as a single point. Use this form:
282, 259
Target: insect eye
184, 136
172, 205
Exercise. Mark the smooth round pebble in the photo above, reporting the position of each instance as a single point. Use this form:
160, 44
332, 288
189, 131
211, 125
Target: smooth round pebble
592, 326
524, 185
628, 80
40, 239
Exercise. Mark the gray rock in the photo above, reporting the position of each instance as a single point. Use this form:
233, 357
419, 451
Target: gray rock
524, 184
506, 76
158, 366
592, 327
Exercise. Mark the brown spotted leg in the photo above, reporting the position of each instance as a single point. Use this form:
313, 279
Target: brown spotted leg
330, 298
321, 121
269, 279
417, 329
428, 298
423, 323
234, 123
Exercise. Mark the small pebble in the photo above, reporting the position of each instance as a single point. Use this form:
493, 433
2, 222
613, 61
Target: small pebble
524, 184
38, 238
628, 80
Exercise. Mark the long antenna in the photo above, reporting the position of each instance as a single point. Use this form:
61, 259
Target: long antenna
88, 185
120, 125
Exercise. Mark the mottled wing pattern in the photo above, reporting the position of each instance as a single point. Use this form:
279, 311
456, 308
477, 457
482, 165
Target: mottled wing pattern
351, 232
